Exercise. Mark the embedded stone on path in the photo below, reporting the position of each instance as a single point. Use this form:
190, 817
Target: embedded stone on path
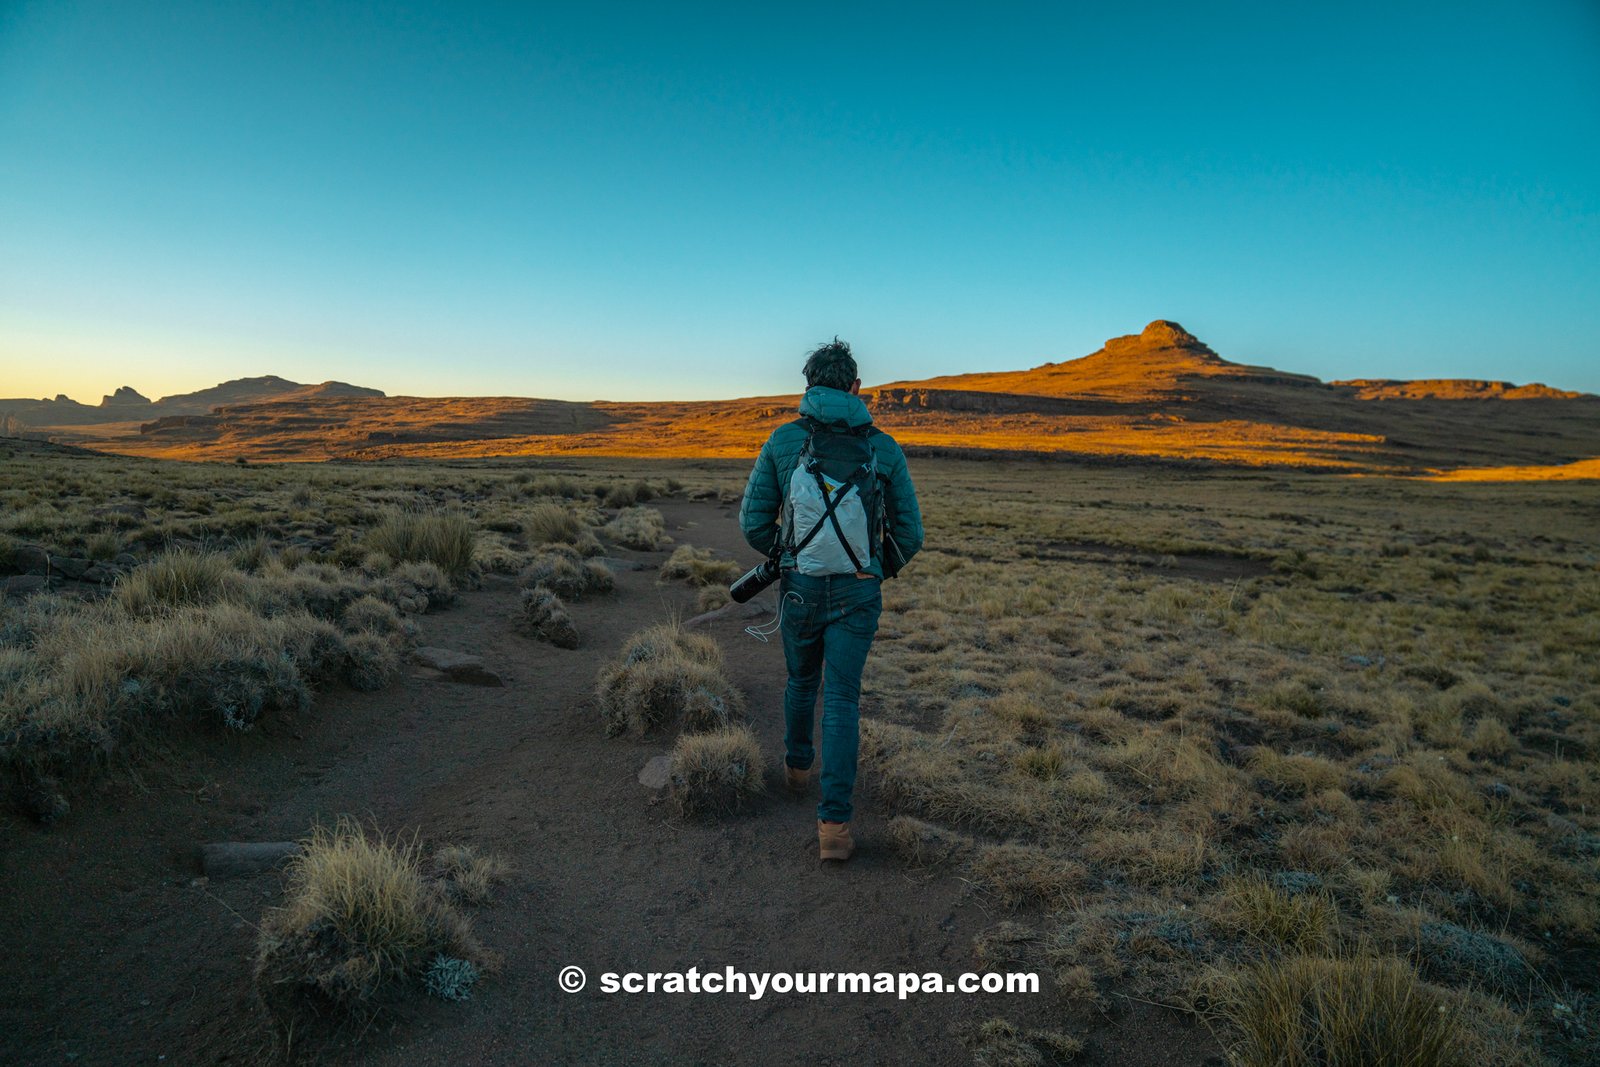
656, 772
229, 859
457, 666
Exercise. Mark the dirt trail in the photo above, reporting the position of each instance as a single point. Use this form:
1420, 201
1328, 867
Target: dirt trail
115, 953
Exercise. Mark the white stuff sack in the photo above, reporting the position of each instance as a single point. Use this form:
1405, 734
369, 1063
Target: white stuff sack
824, 554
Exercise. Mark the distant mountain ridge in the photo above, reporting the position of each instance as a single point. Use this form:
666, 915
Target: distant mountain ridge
1161, 395
127, 404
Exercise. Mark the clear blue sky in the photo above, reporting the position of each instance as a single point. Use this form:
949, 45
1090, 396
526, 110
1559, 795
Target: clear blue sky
651, 200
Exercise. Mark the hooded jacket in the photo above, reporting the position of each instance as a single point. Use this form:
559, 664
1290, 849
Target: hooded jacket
763, 494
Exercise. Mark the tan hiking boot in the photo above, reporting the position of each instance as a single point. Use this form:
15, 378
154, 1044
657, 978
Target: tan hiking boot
834, 840
798, 781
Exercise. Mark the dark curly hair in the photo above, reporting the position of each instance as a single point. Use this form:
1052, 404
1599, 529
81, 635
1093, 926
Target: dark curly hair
831, 365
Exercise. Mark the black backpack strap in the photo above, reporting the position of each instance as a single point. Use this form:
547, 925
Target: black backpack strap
832, 516
833, 500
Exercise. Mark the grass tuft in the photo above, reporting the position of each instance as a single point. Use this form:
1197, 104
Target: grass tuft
664, 674
1303, 1011
445, 539
359, 924
716, 772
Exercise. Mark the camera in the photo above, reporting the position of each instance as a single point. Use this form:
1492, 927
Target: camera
755, 580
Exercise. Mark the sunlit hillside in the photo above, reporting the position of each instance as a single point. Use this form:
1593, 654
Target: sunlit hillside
1160, 395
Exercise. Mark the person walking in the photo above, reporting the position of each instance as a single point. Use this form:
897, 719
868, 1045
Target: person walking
831, 499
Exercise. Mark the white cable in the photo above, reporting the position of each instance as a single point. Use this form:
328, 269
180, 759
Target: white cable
764, 632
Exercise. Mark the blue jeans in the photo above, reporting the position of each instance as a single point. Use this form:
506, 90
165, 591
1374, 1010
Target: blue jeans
825, 643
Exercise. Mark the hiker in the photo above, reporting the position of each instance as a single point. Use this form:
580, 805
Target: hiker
831, 500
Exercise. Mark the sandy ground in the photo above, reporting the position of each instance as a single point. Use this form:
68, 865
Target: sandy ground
116, 952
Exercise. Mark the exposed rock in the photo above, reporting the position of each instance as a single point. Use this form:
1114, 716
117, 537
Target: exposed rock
99, 573
457, 666
23, 584
1158, 335
30, 559
234, 858
1451, 389
126, 559
656, 773
70, 567
125, 395
442, 659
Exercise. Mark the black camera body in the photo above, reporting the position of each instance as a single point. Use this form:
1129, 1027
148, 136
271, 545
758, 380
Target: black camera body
754, 580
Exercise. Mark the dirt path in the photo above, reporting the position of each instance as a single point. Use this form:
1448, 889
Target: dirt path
115, 953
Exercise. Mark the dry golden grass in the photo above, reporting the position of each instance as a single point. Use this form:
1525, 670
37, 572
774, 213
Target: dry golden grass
360, 923
551, 523
1303, 922
1301, 1011
699, 566
443, 539
468, 875
180, 578
1301, 713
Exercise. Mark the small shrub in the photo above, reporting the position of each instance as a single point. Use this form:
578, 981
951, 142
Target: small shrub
546, 616
698, 566
443, 539
716, 772
359, 924
639, 528
560, 569
1311, 1010
371, 615
664, 674
373, 661
417, 587
449, 978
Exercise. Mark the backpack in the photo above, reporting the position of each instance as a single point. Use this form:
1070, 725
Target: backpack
833, 513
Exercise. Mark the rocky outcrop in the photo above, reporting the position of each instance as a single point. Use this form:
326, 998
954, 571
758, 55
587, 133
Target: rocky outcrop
179, 422
1160, 334
1452, 389
125, 396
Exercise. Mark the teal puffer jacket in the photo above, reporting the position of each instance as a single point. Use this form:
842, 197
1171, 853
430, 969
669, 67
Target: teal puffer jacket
763, 495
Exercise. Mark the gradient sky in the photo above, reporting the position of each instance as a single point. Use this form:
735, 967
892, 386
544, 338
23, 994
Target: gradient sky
649, 200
